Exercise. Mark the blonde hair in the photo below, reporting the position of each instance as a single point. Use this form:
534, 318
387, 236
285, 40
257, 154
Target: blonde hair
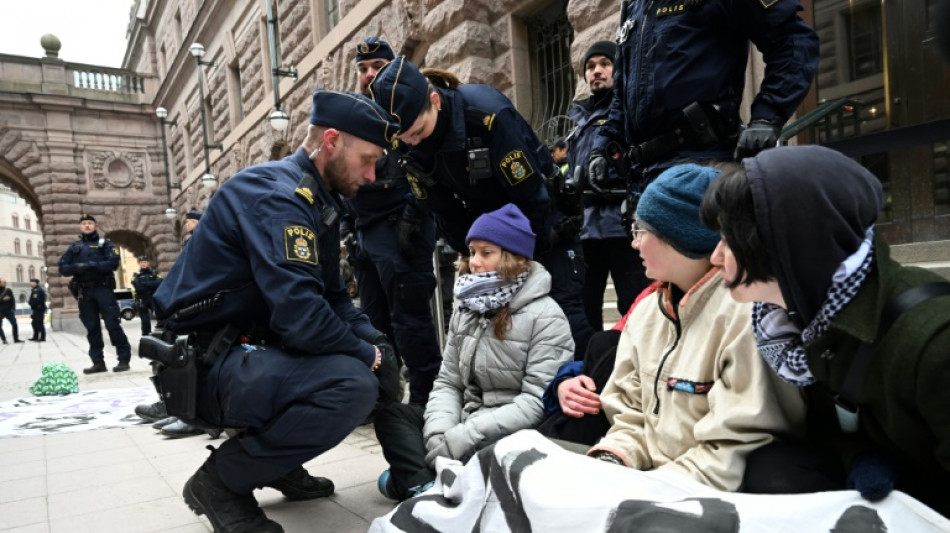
510, 266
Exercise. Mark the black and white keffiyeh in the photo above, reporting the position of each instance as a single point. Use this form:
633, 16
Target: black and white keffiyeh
779, 340
486, 291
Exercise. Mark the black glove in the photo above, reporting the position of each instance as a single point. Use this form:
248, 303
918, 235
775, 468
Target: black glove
409, 230
758, 135
81, 267
873, 474
597, 170
387, 373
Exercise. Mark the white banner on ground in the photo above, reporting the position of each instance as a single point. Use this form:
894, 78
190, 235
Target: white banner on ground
527, 483
98, 409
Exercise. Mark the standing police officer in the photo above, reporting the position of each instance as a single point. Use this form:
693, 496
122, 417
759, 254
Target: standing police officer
679, 75
393, 259
607, 247
91, 262
146, 282
471, 153
307, 366
37, 303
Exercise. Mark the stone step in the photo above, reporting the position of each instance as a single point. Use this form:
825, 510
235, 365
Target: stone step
932, 255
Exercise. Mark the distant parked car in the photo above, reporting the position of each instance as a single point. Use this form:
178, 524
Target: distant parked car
126, 301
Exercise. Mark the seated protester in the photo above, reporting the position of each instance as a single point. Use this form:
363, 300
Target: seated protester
572, 399
689, 393
505, 342
797, 225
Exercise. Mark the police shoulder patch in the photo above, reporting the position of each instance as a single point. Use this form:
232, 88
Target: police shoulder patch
515, 167
300, 244
417, 189
115, 251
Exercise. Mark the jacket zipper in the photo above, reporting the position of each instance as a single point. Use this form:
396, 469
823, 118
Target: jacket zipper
640, 58
656, 381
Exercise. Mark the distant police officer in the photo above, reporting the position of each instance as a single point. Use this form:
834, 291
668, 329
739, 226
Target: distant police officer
37, 303
308, 367
393, 259
679, 75
471, 153
146, 282
91, 262
191, 222
607, 247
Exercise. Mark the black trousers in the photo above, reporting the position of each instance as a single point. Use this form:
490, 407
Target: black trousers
399, 431
9, 315
100, 301
598, 365
38, 319
615, 257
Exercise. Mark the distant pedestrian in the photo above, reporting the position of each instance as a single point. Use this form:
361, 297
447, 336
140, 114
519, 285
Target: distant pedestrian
7, 305
37, 304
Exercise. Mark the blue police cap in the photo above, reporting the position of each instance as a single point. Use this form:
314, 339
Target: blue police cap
373, 48
402, 91
355, 114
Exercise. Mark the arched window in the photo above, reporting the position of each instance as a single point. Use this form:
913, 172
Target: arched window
32, 271
16, 246
39, 248
29, 247
26, 221
19, 273
16, 221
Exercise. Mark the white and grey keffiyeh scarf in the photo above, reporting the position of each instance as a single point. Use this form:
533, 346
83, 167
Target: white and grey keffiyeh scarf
779, 340
486, 291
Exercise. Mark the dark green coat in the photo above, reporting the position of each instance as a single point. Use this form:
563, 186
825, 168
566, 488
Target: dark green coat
905, 398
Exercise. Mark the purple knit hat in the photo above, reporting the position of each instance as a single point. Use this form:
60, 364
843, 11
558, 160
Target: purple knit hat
506, 227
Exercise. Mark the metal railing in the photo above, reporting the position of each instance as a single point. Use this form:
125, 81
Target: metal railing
821, 117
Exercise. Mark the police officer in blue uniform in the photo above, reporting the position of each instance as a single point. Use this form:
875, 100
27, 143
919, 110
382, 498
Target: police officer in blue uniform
679, 76
91, 262
470, 152
307, 367
146, 282
393, 259
37, 303
607, 247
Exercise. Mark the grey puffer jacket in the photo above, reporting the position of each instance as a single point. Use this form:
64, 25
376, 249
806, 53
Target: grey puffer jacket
489, 388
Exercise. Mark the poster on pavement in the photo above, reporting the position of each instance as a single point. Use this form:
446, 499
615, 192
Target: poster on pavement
96, 409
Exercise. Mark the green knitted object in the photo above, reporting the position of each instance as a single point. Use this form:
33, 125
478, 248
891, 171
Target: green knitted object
57, 379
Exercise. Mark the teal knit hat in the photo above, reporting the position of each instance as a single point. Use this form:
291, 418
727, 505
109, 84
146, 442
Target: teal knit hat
669, 208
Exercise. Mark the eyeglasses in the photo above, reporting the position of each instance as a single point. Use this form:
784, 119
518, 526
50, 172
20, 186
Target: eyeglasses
637, 230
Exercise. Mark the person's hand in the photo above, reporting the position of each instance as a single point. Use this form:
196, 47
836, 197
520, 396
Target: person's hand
387, 373
758, 135
436, 447
597, 170
81, 267
349, 241
608, 457
409, 230
873, 474
577, 396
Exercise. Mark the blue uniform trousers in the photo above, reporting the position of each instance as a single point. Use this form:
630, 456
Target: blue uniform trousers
39, 325
565, 262
98, 300
394, 293
145, 314
294, 407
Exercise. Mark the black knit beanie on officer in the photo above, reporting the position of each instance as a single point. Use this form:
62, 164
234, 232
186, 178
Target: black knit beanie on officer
355, 114
506, 227
669, 208
193, 215
401, 89
84, 217
600, 48
374, 48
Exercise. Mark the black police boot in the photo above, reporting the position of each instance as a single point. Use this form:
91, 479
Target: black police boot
121, 367
151, 412
95, 368
228, 512
298, 484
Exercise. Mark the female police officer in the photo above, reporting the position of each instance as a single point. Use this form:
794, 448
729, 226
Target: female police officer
471, 153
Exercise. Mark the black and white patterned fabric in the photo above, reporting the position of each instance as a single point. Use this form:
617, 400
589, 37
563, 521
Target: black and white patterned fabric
525, 483
486, 291
779, 340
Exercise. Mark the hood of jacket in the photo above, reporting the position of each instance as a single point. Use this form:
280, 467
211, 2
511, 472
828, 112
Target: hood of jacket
538, 285
812, 208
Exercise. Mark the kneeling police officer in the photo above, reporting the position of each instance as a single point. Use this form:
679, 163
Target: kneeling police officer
297, 367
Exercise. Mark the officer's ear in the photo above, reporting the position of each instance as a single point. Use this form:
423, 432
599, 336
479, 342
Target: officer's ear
331, 139
436, 100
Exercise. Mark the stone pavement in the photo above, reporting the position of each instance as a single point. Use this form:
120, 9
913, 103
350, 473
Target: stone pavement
130, 480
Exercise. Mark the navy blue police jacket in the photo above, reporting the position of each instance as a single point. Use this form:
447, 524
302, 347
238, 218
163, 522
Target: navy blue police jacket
101, 256
146, 282
671, 54
602, 216
267, 253
518, 162
37, 301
